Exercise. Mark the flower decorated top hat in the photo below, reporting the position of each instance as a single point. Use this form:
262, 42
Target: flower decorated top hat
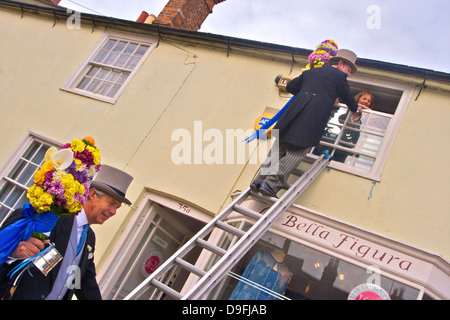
114, 182
347, 56
61, 186
60, 189
320, 57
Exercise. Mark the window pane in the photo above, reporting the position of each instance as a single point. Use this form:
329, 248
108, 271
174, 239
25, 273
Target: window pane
113, 91
119, 46
31, 150
3, 212
100, 56
12, 197
132, 63
102, 73
131, 47
26, 178
122, 78
141, 50
377, 124
83, 84
349, 138
93, 85
369, 143
17, 170
121, 61
109, 44
4, 193
39, 157
111, 58
113, 76
104, 88
93, 71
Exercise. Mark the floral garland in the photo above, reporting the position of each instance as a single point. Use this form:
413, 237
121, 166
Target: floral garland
62, 183
324, 51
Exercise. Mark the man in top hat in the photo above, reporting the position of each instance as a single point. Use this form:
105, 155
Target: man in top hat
75, 240
301, 125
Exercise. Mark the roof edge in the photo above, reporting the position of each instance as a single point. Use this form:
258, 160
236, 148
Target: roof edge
426, 74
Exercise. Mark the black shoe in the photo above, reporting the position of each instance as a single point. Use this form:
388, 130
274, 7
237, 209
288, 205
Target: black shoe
266, 190
255, 186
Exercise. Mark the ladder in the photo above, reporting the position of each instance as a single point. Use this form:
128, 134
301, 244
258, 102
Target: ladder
229, 258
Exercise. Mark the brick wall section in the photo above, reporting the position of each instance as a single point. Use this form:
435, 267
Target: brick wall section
186, 14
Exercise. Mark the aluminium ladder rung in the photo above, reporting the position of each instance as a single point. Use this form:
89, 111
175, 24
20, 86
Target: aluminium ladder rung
208, 246
248, 213
167, 290
190, 267
230, 229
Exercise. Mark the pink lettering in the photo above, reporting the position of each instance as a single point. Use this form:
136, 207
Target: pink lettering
404, 265
362, 250
343, 240
291, 221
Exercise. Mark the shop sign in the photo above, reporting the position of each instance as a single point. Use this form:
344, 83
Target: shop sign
368, 291
150, 263
160, 241
349, 244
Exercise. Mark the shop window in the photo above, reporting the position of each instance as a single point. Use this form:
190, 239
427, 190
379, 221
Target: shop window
110, 66
277, 268
17, 174
360, 146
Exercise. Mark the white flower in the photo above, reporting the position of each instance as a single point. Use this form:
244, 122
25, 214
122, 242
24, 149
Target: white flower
62, 159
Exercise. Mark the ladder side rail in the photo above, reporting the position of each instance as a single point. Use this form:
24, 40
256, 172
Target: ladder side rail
188, 245
221, 268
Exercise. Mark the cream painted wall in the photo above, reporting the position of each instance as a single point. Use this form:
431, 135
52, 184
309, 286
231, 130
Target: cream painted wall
179, 84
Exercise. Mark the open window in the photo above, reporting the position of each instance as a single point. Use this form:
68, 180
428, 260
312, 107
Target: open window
361, 146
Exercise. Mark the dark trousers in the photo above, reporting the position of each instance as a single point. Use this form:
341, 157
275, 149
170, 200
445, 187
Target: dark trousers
280, 162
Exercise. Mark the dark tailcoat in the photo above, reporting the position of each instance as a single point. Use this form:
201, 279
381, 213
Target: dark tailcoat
316, 90
38, 286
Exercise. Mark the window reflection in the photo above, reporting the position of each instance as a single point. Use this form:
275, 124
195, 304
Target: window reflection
355, 141
277, 268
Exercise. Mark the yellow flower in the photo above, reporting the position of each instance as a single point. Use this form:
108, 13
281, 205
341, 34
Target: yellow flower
79, 164
39, 199
95, 153
77, 145
39, 176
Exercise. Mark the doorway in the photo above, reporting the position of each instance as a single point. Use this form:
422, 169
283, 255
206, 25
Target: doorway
158, 235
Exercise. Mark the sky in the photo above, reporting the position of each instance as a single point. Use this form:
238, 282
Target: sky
407, 32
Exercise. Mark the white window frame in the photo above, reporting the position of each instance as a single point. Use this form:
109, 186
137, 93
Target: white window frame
391, 132
77, 77
14, 159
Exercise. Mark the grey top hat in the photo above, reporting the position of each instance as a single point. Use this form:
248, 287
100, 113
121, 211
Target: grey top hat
113, 181
347, 56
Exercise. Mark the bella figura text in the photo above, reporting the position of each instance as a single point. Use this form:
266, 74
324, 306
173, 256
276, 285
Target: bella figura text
346, 243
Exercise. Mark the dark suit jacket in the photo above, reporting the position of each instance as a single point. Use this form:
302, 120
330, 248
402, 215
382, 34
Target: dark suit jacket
316, 90
39, 286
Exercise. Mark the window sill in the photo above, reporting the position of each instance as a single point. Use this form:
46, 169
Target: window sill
90, 95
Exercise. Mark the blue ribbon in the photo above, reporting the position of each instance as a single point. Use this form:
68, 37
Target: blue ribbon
11, 236
269, 123
27, 263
